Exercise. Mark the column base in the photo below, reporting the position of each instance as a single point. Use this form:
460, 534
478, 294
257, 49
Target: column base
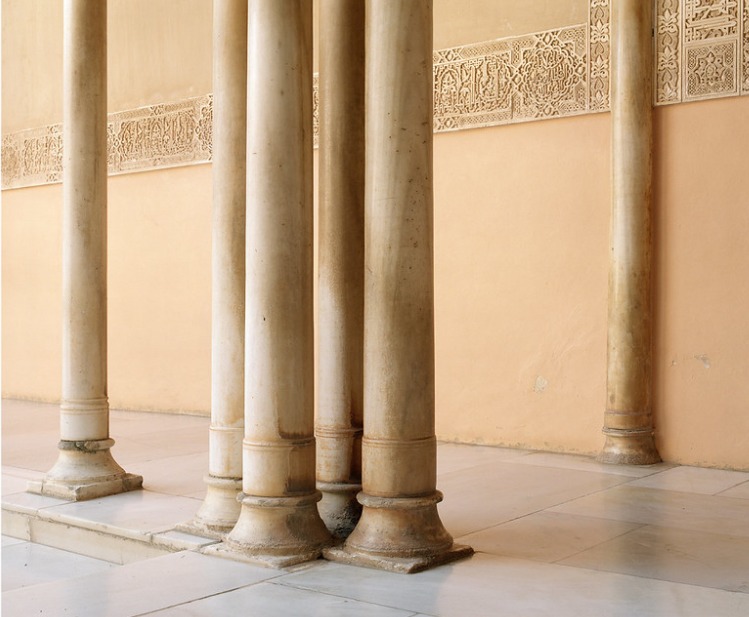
219, 511
402, 534
629, 447
339, 508
276, 532
85, 470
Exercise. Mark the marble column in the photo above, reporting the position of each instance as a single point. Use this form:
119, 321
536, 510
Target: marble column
400, 528
628, 421
220, 509
341, 264
85, 468
279, 524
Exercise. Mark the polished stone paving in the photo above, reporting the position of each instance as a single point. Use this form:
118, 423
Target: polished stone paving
554, 535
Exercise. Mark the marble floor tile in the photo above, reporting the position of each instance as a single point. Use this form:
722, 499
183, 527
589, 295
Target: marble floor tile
173, 475
131, 423
495, 493
694, 480
140, 511
487, 586
741, 491
546, 536
25, 564
272, 600
37, 453
13, 484
30, 502
589, 463
455, 457
8, 541
691, 511
665, 553
135, 589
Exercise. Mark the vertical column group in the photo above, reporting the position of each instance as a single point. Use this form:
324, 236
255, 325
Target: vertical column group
399, 527
279, 523
376, 268
340, 291
85, 468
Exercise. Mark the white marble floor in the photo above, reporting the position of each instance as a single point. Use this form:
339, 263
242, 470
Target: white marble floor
554, 535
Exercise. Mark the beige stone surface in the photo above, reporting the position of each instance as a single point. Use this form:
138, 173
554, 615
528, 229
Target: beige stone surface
628, 420
171, 61
340, 281
279, 523
220, 509
457, 22
399, 518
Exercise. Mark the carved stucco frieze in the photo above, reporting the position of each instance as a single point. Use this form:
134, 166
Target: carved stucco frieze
511, 80
701, 51
599, 55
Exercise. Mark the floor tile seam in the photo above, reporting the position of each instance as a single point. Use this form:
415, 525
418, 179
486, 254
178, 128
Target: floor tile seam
205, 597
550, 509
638, 527
147, 537
462, 537
730, 488
671, 525
652, 578
281, 583
702, 496
629, 478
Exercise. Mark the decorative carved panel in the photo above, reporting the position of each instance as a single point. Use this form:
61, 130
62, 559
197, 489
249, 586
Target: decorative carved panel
511, 80
745, 80
701, 51
667, 84
599, 64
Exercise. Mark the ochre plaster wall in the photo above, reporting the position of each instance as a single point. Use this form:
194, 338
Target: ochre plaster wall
32, 292
459, 22
701, 285
158, 51
159, 290
521, 232
521, 239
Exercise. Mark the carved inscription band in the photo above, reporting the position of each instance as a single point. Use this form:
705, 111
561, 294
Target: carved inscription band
701, 51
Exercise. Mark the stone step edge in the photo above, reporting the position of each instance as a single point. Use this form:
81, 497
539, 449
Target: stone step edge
94, 539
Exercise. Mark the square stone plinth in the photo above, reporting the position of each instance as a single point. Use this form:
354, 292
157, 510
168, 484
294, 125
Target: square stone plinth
402, 565
84, 491
267, 561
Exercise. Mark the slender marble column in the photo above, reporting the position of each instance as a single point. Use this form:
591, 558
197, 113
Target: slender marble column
341, 264
279, 523
220, 509
628, 421
85, 468
400, 528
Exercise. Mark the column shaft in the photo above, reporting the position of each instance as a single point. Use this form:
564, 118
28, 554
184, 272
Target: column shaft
341, 263
279, 523
85, 468
400, 528
628, 421
220, 509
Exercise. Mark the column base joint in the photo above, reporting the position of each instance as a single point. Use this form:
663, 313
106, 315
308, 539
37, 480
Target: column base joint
629, 447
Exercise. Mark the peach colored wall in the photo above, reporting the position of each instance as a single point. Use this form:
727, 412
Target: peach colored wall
32, 292
521, 233
158, 51
702, 293
159, 290
521, 243
459, 22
